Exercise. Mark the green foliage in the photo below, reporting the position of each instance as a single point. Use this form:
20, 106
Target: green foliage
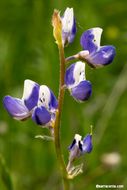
5, 175
27, 50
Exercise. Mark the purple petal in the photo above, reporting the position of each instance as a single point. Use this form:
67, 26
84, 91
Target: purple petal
82, 91
75, 74
103, 56
90, 39
53, 104
98, 55
69, 79
72, 145
16, 108
74, 148
31, 93
73, 32
87, 144
41, 116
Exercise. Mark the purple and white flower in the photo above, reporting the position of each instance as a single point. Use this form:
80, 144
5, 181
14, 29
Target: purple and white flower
46, 108
68, 26
80, 147
37, 102
93, 53
76, 82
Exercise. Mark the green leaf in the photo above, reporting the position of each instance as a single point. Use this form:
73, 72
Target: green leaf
44, 137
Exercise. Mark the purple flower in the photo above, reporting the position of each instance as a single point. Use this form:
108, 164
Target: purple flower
37, 102
75, 81
44, 113
68, 26
20, 109
80, 147
98, 55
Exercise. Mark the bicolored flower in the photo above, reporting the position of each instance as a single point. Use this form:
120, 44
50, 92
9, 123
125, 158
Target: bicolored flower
46, 108
80, 147
97, 55
68, 26
75, 81
21, 109
37, 102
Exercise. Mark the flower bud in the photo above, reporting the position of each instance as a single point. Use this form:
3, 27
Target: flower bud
57, 27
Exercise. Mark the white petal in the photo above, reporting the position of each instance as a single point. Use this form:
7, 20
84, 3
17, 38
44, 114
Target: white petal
84, 53
97, 35
67, 20
77, 138
79, 72
44, 96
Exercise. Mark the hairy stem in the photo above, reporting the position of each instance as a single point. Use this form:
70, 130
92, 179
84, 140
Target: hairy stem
58, 119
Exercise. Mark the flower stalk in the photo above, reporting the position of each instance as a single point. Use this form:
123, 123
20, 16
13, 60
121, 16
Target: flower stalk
57, 31
58, 119
71, 58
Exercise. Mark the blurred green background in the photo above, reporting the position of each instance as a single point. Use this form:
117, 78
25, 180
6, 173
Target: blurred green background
28, 51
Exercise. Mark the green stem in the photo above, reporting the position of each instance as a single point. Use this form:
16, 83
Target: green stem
58, 119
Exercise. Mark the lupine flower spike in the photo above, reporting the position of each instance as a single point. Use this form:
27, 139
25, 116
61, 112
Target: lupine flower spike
93, 53
75, 81
40, 104
37, 102
68, 26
